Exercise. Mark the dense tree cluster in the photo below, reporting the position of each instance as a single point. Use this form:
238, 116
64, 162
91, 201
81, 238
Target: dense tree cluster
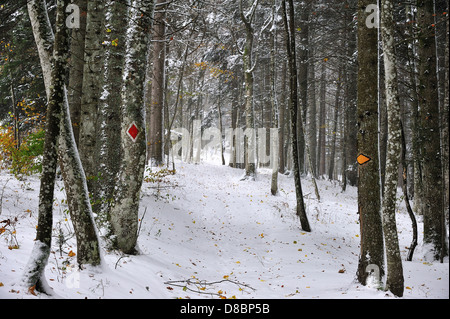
135, 78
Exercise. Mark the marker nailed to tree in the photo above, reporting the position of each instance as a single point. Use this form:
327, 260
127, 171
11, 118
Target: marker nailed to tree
363, 159
133, 132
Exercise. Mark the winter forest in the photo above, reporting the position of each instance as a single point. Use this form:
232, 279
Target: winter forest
231, 149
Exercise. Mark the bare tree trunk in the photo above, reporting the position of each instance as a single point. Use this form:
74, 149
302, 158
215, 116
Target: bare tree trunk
282, 120
351, 68
250, 166
413, 245
110, 106
372, 247
293, 101
76, 64
156, 98
334, 131
274, 149
34, 271
43, 36
303, 56
429, 131
322, 126
394, 281
90, 100
124, 213
313, 119
15, 111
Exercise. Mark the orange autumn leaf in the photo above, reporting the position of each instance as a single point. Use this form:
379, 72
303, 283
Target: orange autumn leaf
71, 253
31, 290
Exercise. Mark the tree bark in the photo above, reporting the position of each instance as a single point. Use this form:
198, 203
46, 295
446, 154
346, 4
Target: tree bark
75, 87
155, 100
91, 91
250, 165
322, 126
372, 248
44, 38
334, 131
274, 141
110, 105
293, 102
303, 56
432, 181
413, 245
34, 272
394, 281
124, 213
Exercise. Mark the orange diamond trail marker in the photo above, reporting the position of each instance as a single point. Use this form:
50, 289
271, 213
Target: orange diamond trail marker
363, 159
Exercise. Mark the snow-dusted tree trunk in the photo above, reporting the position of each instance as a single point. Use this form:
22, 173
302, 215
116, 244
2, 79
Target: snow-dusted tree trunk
34, 271
372, 248
274, 141
76, 65
293, 105
77, 193
72, 170
156, 98
110, 105
124, 213
43, 36
91, 91
247, 57
429, 141
395, 280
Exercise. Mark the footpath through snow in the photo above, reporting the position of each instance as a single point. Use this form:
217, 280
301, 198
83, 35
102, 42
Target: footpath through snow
206, 234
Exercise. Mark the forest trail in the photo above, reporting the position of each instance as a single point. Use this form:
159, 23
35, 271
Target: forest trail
206, 230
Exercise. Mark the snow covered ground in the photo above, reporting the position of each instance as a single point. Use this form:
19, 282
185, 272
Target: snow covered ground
206, 234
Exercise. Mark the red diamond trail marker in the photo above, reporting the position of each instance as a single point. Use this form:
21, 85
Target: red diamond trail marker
133, 132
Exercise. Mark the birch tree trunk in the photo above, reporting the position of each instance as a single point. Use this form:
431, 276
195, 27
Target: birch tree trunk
72, 170
110, 105
394, 281
34, 272
372, 248
44, 38
124, 213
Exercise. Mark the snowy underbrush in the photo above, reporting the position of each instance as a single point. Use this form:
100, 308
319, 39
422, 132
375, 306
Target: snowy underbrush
206, 234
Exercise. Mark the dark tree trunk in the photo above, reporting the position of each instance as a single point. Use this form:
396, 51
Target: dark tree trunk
372, 248
293, 104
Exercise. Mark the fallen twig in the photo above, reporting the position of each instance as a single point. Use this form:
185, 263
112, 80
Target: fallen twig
201, 285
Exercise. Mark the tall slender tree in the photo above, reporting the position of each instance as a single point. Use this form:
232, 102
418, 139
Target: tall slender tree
91, 91
288, 19
429, 140
372, 248
395, 280
155, 87
71, 167
249, 65
34, 272
110, 105
75, 87
125, 210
